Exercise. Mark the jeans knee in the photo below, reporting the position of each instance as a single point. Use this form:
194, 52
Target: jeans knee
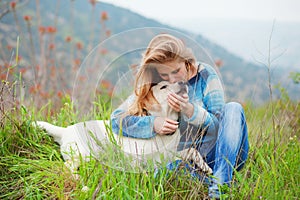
233, 121
234, 110
234, 106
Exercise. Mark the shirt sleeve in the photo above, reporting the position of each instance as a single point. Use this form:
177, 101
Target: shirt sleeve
208, 107
129, 125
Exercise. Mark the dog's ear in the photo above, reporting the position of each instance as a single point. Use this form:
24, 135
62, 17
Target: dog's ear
153, 84
150, 99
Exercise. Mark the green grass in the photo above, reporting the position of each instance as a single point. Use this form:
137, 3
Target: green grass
31, 166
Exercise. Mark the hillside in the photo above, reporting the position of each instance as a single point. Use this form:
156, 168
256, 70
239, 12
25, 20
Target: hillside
123, 36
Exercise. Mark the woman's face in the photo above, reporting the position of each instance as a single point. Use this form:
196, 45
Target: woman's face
172, 71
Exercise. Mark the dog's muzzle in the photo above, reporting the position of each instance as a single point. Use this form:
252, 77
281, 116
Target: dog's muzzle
183, 88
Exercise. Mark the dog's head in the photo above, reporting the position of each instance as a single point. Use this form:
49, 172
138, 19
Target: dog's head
163, 88
160, 93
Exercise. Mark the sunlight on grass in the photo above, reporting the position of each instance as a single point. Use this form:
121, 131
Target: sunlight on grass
31, 165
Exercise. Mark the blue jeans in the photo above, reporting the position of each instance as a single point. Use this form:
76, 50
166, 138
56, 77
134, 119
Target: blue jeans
232, 146
230, 151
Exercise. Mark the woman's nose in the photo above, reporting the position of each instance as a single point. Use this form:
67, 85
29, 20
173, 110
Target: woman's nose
173, 79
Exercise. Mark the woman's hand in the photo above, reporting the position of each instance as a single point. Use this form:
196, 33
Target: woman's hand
164, 126
181, 104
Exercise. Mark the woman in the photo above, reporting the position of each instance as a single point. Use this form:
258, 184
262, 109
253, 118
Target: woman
216, 129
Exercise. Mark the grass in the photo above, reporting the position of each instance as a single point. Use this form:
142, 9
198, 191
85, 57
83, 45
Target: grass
31, 166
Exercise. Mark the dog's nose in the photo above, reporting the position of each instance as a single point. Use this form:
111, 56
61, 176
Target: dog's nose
181, 83
182, 87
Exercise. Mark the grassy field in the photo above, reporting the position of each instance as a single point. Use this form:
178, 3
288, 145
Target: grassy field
31, 166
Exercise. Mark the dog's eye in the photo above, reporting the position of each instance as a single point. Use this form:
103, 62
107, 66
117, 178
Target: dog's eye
163, 87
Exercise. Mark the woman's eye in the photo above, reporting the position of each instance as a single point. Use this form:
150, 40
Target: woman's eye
176, 71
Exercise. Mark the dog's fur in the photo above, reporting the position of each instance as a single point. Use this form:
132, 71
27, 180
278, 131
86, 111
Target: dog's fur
76, 140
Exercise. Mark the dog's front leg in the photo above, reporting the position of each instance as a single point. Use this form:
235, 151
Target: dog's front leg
193, 155
73, 165
199, 161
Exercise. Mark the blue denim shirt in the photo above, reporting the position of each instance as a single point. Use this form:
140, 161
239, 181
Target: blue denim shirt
207, 96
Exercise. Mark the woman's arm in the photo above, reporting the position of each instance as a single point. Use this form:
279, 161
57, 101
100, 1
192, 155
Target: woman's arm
209, 102
129, 125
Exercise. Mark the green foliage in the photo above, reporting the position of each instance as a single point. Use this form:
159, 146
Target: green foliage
102, 107
295, 76
32, 167
67, 115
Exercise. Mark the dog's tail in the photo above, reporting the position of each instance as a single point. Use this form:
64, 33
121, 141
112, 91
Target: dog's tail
54, 131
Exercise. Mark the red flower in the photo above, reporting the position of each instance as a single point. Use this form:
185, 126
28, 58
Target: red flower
107, 33
42, 29
45, 95
23, 70
2, 76
52, 69
51, 46
104, 16
103, 51
60, 94
219, 63
27, 18
13, 4
51, 29
82, 78
6, 65
68, 39
77, 61
9, 47
106, 84
35, 88
93, 2
79, 45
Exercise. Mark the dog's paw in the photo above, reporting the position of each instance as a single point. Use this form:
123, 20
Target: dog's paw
195, 156
85, 188
203, 166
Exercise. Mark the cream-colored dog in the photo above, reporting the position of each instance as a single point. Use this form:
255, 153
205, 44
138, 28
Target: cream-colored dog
83, 139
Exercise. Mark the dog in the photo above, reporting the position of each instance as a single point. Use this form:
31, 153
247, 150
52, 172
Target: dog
163, 147
82, 139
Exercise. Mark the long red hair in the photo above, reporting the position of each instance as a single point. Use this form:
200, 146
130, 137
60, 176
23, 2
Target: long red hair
162, 49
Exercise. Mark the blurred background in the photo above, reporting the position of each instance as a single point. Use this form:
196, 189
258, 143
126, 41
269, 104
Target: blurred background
242, 27
83, 49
